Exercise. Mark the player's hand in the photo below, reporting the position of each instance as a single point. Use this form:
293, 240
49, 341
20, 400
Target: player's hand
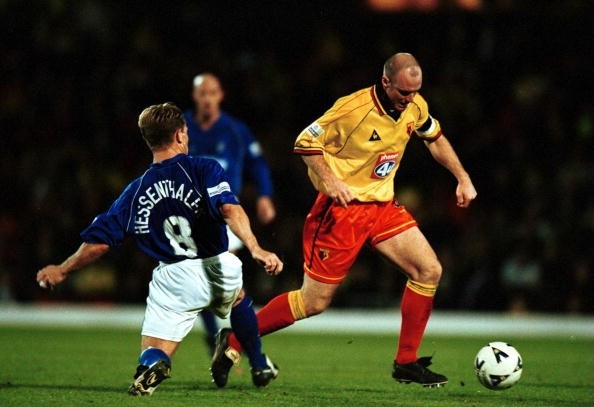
465, 193
270, 261
340, 192
51, 275
265, 210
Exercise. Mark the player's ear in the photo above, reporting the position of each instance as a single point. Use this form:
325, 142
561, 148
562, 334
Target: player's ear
178, 136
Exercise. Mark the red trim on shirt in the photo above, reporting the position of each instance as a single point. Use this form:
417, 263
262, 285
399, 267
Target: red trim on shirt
306, 152
376, 101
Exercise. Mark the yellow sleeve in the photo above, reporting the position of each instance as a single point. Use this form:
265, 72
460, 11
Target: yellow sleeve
310, 141
330, 131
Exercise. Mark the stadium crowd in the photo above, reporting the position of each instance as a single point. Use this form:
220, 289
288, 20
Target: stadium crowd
511, 86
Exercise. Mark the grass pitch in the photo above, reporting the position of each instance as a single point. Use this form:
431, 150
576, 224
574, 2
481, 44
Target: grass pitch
93, 367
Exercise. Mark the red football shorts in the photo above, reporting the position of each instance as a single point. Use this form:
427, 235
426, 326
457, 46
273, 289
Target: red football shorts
334, 235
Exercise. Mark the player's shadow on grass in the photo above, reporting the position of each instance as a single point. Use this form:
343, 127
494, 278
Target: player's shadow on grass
105, 389
189, 385
177, 385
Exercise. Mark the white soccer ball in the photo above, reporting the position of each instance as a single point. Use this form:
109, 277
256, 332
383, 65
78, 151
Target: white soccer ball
498, 366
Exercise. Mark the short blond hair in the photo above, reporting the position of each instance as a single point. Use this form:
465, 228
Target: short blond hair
158, 123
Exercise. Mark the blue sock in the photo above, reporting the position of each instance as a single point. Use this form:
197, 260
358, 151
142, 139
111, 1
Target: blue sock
245, 327
210, 323
150, 356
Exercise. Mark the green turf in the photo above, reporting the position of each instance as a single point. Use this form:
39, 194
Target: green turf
90, 367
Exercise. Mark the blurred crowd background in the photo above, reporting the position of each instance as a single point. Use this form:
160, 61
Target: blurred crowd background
510, 82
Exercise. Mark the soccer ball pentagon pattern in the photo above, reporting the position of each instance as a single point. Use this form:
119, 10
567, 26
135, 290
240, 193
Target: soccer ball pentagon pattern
498, 366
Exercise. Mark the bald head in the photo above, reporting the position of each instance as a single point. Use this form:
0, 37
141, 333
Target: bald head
402, 61
402, 79
208, 95
205, 77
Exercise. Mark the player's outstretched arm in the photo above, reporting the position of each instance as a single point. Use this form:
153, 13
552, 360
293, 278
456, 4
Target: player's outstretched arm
239, 223
54, 274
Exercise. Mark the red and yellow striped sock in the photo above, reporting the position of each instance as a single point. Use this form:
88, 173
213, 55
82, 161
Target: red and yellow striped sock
416, 307
282, 311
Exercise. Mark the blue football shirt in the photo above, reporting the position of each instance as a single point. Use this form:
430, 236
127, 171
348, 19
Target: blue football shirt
171, 211
232, 144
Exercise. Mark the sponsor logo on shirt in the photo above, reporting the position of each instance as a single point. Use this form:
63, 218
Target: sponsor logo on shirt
386, 162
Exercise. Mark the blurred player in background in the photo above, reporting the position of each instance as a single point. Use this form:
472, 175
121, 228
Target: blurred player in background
177, 213
352, 153
216, 134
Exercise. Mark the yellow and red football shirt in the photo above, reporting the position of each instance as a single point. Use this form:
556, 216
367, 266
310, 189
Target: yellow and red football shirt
363, 142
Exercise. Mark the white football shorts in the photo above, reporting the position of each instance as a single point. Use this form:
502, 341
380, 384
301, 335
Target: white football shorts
179, 291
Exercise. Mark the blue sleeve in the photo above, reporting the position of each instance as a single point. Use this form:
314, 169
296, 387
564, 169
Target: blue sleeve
110, 227
217, 186
256, 164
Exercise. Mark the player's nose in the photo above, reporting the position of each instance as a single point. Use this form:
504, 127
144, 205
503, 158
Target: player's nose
409, 98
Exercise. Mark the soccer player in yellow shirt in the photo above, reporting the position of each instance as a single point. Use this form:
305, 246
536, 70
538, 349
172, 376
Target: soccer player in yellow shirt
352, 153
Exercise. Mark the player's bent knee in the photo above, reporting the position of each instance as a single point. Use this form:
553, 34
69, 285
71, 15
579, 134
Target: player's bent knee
315, 301
429, 273
433, 272
305, 304
316, 307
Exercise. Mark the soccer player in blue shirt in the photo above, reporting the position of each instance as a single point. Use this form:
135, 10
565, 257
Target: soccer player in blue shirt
216, 134
177, 213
